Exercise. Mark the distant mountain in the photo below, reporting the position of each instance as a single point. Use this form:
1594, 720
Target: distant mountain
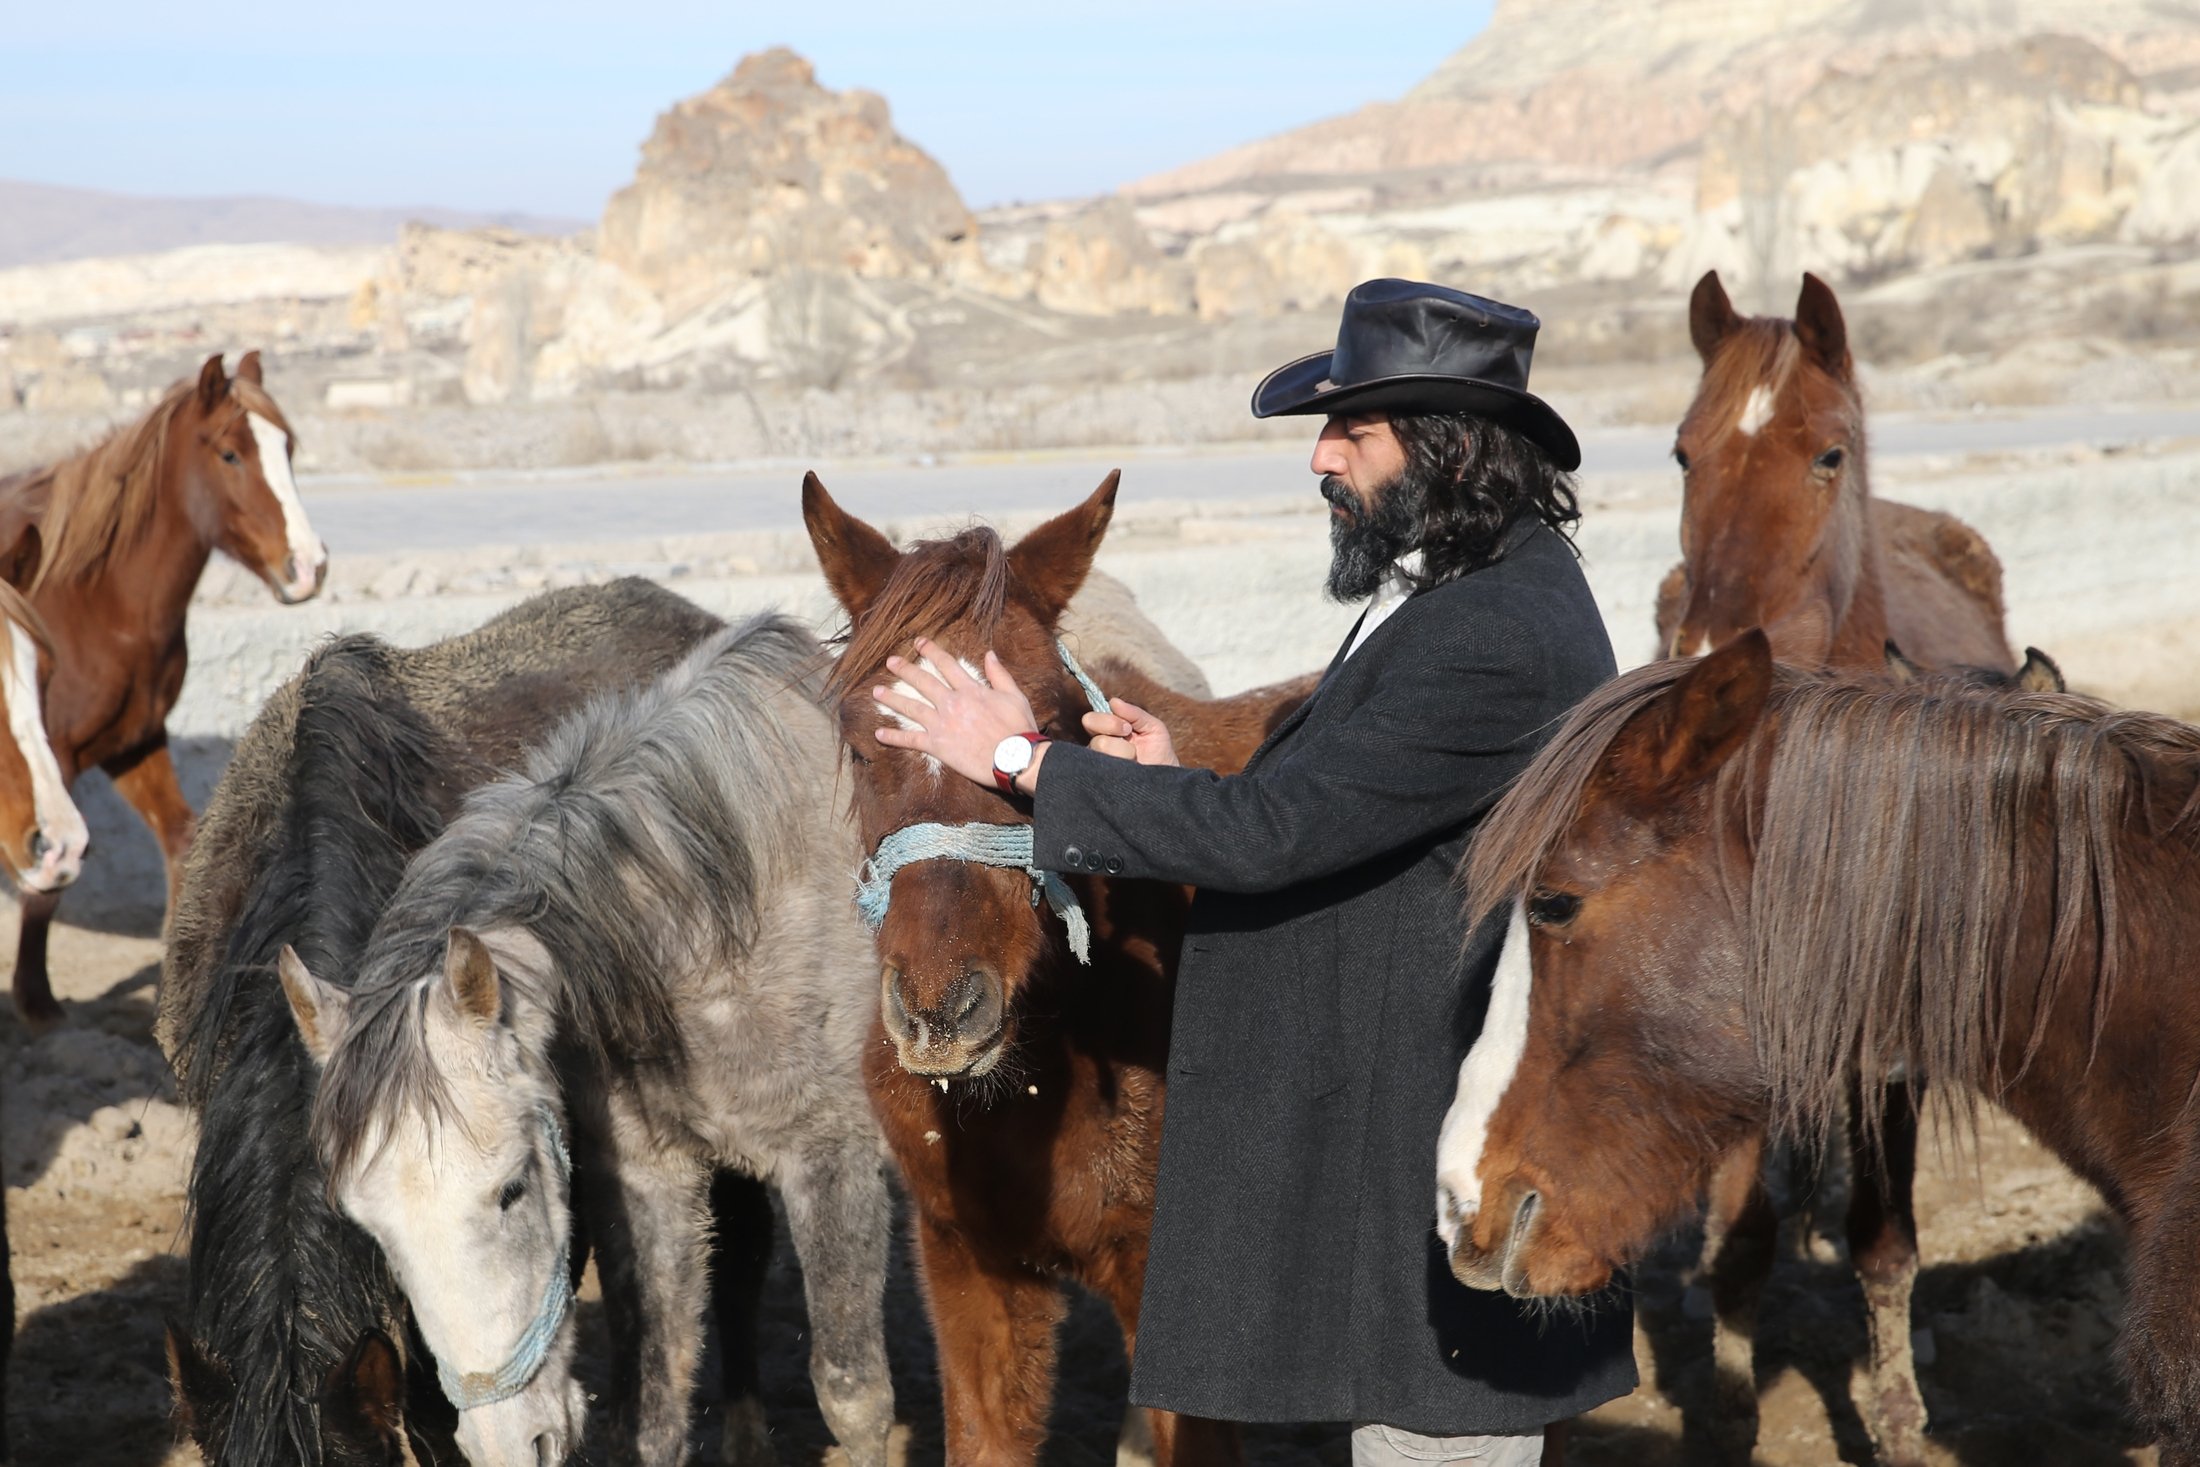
43, 223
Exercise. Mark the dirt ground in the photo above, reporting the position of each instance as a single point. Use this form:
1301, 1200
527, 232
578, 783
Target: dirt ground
2015, 1311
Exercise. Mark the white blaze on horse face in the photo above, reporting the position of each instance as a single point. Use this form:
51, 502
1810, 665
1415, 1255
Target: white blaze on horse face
1756, 412
471, 1210
1484, 1077
60, 824
308, 556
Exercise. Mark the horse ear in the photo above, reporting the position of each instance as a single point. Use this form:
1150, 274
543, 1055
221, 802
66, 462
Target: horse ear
319, 1007
1818, 325
1695, 726
200, 1385
249, 367
1053, 560
19, 562
856, 559
1900, 668
365, 1394
1711, 316
213, 383
2040, 674
472, 976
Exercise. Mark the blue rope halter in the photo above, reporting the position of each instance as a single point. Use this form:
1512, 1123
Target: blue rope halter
1007, 846
487, 1387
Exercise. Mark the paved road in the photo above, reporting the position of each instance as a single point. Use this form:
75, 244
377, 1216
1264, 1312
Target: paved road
559, 508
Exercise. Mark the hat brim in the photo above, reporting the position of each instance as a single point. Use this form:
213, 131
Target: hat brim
1302, 389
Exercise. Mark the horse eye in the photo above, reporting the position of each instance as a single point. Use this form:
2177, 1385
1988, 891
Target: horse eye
1552, 908
1828, 461
229, 456
1680, 456
513, 1191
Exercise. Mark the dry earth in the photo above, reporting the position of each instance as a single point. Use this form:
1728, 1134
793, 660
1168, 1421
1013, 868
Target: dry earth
2016, 1308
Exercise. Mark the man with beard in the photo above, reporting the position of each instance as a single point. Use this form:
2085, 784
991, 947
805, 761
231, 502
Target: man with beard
1328, 990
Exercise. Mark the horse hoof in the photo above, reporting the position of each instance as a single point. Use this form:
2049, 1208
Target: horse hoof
38, 1018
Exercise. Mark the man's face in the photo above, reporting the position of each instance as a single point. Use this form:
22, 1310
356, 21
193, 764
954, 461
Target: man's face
1374, 510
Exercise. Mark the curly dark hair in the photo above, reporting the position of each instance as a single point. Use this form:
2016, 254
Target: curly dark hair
1477, 478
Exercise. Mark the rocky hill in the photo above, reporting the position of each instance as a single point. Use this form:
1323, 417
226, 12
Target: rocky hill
1589, 157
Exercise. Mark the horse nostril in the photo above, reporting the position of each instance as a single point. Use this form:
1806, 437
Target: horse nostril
546, 1450
39, 845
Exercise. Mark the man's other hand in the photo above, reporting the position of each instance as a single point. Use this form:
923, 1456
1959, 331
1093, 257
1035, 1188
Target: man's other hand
1130, 732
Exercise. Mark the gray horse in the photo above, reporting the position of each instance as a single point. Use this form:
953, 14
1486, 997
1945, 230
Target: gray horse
645, 939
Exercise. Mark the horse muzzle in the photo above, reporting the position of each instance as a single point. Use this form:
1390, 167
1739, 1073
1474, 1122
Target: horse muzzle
301, 576
539, 1427
56, 858
958, 1034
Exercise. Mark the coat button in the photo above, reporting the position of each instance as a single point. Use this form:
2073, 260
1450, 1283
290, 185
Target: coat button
1073, 857
1115, 865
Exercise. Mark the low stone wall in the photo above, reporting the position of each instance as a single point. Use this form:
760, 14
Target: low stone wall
2102, 557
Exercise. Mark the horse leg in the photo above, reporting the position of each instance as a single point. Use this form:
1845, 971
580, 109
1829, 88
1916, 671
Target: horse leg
147, 781
741, 1254
838, 1214
34, 1000
1740, 1236
652, 1254
1882, 1229
994, 1320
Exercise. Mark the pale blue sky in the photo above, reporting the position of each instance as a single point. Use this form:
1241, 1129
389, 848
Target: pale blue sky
542, 107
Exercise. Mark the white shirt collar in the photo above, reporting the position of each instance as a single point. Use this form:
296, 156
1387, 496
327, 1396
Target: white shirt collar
1389, 596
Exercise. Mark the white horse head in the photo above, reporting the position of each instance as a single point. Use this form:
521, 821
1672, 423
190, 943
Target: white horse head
440, 1120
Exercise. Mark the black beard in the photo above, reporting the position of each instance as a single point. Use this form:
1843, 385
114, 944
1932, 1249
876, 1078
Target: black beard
1364, 543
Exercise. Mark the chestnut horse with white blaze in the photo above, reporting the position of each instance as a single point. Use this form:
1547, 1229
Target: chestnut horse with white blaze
1780, 530
43, 837
128, 527
1743, 891
1020, 1088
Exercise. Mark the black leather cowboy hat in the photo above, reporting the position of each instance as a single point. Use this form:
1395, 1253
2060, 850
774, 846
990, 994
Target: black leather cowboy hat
1412, 348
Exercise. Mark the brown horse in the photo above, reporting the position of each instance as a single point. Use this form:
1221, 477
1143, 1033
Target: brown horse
1743, 891
128, 527
1020, 1091
1780, 530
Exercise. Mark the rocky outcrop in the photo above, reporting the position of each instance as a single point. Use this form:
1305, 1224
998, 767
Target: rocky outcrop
769, 172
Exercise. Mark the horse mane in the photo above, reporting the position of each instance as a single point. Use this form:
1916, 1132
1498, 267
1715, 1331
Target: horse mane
1901, 836
280, 1290
633, 847
16, 608
936, 584
100, 502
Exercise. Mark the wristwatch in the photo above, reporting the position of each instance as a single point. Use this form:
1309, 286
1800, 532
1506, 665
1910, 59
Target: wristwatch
1012, 756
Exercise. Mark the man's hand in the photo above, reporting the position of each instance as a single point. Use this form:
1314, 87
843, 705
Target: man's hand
1130, 732
954, 717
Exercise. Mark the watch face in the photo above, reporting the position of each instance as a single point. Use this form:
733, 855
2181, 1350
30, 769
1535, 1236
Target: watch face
1012, 755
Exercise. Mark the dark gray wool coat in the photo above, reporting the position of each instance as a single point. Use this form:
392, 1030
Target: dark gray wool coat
1323, 1006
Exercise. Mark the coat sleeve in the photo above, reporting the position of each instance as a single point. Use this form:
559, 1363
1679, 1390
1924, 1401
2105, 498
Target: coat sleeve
1447, 725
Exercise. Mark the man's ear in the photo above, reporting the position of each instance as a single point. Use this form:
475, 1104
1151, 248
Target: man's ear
319, 1008
1684, 735
856, 558
1052, 561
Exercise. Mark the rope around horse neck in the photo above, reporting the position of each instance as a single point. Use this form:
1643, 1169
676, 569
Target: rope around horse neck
1006, 846
487, 1387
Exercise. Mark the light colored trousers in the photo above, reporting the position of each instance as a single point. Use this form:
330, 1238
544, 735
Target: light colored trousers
1392, 1446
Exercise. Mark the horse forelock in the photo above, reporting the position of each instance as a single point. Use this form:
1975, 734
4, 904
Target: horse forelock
958, 582
1899, 836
